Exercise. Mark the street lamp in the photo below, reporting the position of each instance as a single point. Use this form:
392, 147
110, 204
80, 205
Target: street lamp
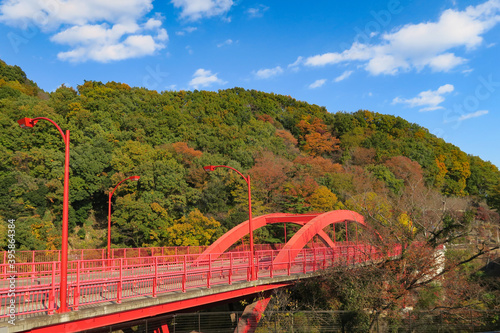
133, 178
250, 230
29, 122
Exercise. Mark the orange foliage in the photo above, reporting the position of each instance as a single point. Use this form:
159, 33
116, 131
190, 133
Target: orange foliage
266, 118
319, 165
406, 169
270, 172
318, 140
289, 140
363, 156
187, 153
302, 187
363, 182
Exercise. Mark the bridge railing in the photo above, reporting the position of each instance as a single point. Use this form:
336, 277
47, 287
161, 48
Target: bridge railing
34, 287
89, 254
115, 253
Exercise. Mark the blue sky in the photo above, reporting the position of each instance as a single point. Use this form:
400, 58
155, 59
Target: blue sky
434, 63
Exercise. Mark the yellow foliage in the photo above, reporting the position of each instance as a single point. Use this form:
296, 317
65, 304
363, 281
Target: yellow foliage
461, 167
18, 86
322, 200
372, 205
405, 220
442, 170
45, 231
157, 208
193, 230
420, 134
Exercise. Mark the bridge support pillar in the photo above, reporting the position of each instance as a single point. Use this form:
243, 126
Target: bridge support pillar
251, 315
162, 329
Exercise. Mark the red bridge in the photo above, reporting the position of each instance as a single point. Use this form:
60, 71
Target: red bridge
141, 283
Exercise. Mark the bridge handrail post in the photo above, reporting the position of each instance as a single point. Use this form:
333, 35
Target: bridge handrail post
304, 262
33, 271
155, 279
272, 264
76, 294
120, 282
249, 265
289, 262
184, 276
52, 294
255, 266
324, 258
314, 259
209, 273
230, 275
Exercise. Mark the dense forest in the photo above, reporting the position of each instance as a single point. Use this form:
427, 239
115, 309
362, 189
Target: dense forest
410, 185
301, 158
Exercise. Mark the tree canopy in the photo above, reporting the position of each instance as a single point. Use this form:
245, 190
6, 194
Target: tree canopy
301, 158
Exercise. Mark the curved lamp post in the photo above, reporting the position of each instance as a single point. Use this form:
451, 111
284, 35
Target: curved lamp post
133, 178
247, 179
30, 122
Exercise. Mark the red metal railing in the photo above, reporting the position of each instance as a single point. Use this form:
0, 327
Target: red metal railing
36, 284
89, 254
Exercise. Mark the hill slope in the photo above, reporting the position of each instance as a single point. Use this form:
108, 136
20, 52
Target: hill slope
301, 158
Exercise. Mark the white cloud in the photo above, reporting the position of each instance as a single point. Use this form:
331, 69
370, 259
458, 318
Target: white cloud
430, 99
445, 62
50, 15
356, 52
186, 30
257, 11
317, 84
103, 43
94, 30
473, 115
295, 66
196, 9
269, 72
343, 76
226, 42
204, 78
416, 46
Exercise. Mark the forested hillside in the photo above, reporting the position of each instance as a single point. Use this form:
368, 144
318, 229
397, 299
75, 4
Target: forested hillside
301, 158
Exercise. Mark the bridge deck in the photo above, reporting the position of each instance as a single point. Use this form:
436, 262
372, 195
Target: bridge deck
102, 291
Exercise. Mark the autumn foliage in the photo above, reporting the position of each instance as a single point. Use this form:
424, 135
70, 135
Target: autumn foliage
301, 158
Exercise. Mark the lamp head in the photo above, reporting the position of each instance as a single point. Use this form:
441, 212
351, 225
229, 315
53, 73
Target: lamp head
26, 122
209, 168
135, 178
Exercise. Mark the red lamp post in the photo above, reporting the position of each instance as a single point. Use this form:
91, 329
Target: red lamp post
29, 122
133, 178
250, 229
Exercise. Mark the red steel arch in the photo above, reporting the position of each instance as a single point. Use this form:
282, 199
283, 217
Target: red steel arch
312, 228
312, 225
241, 230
